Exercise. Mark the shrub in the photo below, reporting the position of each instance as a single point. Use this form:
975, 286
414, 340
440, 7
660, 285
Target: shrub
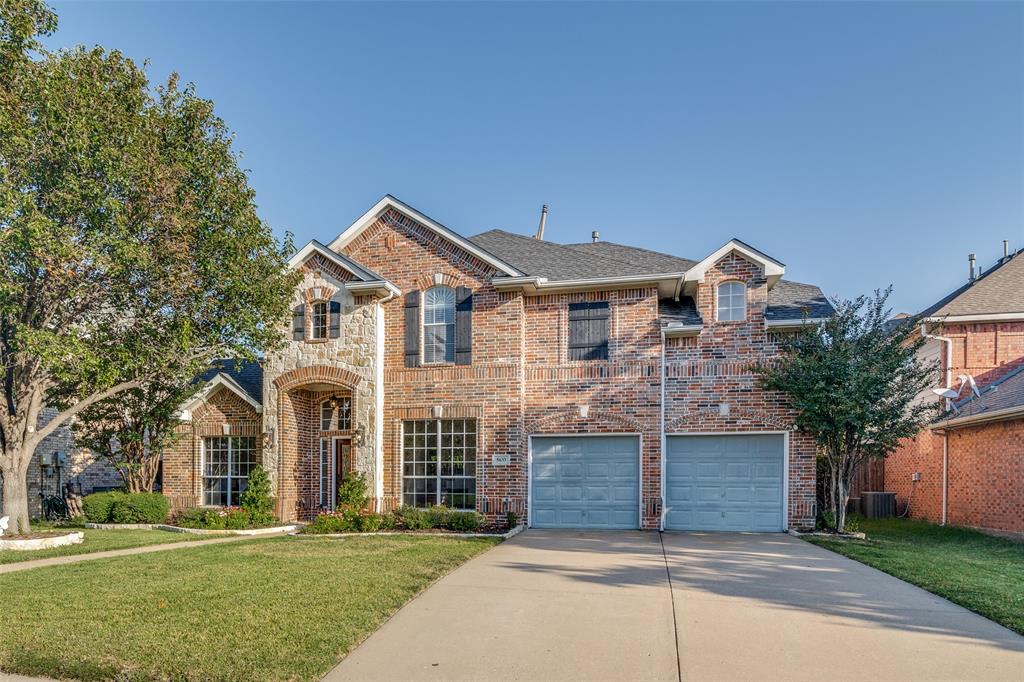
412, 518
256, 499
344, 521
511, 519
465, 522
140, 508
353, 491
97, 507
371, 523
438, 516
201, 517
237, 519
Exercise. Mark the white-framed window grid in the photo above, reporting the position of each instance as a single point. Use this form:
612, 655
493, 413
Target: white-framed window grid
328, 491
732, 301
318, 320
336, 414
438, 325
439, 463
226, 463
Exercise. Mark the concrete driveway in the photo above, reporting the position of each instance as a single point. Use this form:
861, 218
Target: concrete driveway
550, 605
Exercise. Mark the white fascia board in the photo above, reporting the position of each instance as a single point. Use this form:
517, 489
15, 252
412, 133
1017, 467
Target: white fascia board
773, 269
380, 287
984, 417
315, 247
677, 330
984, 317
368, 218
794, 324
227, 382
667, 283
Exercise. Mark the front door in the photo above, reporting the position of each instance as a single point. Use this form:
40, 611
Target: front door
335, 463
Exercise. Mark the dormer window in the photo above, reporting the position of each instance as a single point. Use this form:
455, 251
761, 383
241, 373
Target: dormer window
318, 320
439, 325
732, 301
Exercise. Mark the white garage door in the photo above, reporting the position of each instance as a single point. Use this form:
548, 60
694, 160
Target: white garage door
725, 482
585, 482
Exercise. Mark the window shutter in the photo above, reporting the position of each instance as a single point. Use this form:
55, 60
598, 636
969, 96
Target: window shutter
412, 329
299, 322
334, 328
588, 330
463, 326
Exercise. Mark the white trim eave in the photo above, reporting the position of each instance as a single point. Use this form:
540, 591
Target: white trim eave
389, 202
982, 418
666, 282
985, 317
672, 331
222, 379
379, 288
313, 246
794, 324
773, 269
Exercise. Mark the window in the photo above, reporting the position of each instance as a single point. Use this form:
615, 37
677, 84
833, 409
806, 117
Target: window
439, 325
327, 492
588, 330
227, 461
336, 414
439, 463
732, 301
318, 320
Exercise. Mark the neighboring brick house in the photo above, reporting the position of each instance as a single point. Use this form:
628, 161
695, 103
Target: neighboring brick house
586, 385
967, 468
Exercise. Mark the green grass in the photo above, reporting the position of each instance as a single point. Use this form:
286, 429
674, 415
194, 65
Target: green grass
96, 541
977, 571
267, 609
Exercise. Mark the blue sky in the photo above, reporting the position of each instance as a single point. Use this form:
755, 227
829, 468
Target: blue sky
861, 144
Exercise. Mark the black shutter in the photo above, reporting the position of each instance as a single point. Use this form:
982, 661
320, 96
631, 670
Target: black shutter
463, 326
588, 330
412, 329
299, 322
335, 322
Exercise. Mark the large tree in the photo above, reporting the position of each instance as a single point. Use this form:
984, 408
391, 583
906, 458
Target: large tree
130, 245
855, 383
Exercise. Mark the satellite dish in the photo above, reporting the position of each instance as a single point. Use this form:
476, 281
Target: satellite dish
5, 522
946, 393
969, 380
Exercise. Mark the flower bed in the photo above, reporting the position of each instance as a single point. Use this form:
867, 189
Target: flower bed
403, 519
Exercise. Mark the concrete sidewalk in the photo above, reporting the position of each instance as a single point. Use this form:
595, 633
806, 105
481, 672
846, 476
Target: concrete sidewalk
551, 605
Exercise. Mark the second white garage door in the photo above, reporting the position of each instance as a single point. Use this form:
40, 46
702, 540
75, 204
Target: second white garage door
725, 482
585, 482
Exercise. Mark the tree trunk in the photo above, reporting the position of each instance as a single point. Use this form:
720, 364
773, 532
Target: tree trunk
16, 497
842, 498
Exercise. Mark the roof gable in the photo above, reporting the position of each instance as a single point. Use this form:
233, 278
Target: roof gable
773, 269
996, 294
391, 203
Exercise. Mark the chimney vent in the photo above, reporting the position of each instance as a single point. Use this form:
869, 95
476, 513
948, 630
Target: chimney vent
543, 220
970, 261
1006, 248
595, 236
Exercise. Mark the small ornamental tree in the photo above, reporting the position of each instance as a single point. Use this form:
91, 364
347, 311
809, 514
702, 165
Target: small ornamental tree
130, 247
256, 498
854, 382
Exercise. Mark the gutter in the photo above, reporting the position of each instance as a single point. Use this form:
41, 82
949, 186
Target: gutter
1006, 413
803, 322
679, 329
987, 317
532, 284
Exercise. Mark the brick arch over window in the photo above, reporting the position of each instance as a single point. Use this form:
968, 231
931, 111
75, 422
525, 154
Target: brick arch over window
447, 279
317, 374
322, 292
737, 418
569, 420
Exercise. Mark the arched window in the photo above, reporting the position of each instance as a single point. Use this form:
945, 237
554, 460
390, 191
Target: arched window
336, 414
732, 301
318, 320
439, 325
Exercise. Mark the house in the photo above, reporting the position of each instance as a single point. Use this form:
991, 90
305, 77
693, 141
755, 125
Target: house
967, 468
591, 385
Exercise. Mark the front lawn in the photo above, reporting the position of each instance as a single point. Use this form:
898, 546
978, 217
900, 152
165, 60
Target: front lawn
267, 609
96, 541
977, 571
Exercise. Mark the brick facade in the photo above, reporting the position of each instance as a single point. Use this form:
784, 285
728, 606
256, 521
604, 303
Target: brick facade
986, 465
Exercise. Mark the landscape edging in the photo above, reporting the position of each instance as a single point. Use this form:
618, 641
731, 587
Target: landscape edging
193, 531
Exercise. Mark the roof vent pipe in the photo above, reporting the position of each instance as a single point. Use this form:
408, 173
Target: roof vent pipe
1006, 248
970, 260
595, 236
543, 220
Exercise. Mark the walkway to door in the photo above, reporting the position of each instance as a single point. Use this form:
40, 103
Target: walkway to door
565, 605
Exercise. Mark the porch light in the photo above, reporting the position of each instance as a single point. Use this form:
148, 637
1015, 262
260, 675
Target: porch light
357, 436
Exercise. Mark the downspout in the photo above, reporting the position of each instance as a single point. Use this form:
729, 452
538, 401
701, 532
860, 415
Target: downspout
661, 520
948, 361
378, 380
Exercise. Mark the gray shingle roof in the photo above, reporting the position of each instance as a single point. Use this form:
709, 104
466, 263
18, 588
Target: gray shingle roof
1000, 290
591, 260
248, 374
793, 300
1001, 394
683, 311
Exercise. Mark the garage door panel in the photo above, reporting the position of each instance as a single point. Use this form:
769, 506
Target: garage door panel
595, 479
724, 482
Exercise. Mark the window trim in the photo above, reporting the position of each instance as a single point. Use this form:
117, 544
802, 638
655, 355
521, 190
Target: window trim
718, 300
228, 476
312, 307
336, 420
437, 476
449, 342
